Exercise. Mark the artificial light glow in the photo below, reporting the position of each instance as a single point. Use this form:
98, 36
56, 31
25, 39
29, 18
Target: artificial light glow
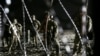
6, 10
64, 39
8, 2
68, 49
84, 9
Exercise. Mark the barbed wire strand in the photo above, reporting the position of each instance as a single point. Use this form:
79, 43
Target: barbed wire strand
46, 50
71, 21
24, 32
12, 27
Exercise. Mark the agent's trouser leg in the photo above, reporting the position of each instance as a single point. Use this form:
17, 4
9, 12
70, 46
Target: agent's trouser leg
36, 40
56, 46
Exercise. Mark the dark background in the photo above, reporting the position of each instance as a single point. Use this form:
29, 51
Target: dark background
38, 7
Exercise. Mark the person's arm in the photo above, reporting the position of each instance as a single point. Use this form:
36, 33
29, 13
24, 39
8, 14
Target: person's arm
20, 28
54, 28
10, 29
39, 25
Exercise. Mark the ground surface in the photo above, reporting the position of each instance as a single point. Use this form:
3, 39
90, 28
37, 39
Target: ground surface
65, 40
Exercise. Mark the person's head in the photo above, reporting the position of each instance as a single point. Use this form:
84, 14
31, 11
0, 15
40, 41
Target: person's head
33, 17
47, 15
15, 21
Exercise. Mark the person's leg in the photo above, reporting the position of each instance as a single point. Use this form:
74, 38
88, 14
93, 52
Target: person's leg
57, 46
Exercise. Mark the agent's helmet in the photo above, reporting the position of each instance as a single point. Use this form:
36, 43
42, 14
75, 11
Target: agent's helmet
51, 17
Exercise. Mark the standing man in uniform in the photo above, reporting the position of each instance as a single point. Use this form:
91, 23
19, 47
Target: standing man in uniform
37, 25
16, 31
50, 32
